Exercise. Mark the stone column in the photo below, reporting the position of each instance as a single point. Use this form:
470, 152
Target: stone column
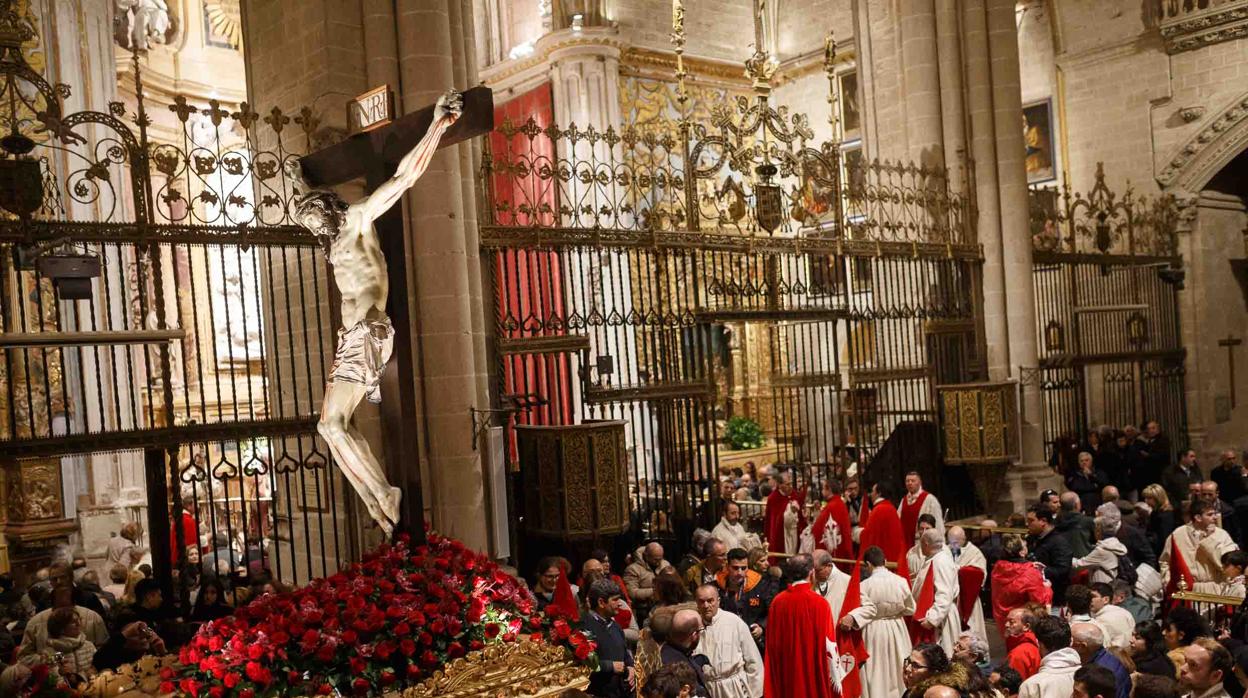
994, 103
452, 369
922, 82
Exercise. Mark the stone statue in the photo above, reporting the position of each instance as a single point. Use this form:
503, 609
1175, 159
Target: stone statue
146, 22
366, 336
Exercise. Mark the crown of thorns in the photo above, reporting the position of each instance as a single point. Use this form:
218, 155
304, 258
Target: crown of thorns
319, 200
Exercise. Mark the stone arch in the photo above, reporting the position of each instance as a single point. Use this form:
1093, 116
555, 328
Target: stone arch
1212, 148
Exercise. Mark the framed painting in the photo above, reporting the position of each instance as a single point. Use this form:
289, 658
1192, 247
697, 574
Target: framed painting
851, 114
1038, 138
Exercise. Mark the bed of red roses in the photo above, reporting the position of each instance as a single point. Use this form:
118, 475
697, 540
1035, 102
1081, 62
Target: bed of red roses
387, 622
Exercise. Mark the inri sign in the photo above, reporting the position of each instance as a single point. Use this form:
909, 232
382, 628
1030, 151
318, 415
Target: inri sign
372, 109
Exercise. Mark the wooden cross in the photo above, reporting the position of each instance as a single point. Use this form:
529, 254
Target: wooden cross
374, 155
1230, 343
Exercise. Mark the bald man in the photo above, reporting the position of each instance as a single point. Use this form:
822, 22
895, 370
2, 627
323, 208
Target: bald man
935, 590
940, 691
639, 577
1089, 641
681, 645
967, 554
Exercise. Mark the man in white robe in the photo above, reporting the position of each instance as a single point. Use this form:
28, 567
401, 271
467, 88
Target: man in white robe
886, 602
830, 582
967, 554
1202, 545
736, 667
924, 502
941, 616
732, 532
914, 556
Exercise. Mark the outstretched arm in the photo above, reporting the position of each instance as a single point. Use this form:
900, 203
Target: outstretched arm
413, 165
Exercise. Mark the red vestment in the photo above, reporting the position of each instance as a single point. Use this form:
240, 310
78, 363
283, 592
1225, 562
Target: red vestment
910, 514
800, 622
849, 642
883, 529
777, 503
1179, 569
923, 604
835, 510
190, 536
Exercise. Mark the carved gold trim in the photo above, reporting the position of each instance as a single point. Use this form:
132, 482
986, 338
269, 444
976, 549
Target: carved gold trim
509, 670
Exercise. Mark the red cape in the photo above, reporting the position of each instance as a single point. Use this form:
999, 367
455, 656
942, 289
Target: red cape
910, 514
1178, 569
835, 510
800, 622
774, 527
849, 642
884, 529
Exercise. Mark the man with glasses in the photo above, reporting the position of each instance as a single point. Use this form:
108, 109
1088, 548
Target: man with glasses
714, 558
682, 642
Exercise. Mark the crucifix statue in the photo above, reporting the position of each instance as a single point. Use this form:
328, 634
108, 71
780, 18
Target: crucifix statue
366, 337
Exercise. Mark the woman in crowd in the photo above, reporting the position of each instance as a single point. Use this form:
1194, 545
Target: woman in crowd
1181, 628
210, 605
67, 642
669, 589
1015, 581
1148, 650
1161, 516
1102, 563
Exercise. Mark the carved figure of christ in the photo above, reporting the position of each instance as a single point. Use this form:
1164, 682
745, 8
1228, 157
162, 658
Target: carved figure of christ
366, 337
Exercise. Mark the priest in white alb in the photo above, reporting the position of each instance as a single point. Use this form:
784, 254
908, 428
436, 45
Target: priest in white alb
885, 605
732, 532
830, 582
914, 556
736, 667
916, 502
967, 554
935, 590
1194, 551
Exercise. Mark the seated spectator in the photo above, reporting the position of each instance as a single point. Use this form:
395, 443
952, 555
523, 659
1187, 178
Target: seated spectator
117, 576
35, 636
1093, 681
973, 650
135, 641
1005, 680
1148, 651
1207, 665
210, 604
1154, 686
1126, 598
1183, 627
66, 642
91, 583
1088, 640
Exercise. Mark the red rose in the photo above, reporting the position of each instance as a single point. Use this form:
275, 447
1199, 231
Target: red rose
190, 686
385, 648
454, 627
324, 689
492, 630
413, 671
455, 650
388, 677
349, 637
247, 693
216, 692
581, 652
407, 647
167, 674
361, 687
166, 687
428, 658
562, 629
474, 645
438, 626
402, 630
293, 677
426, 638
255, 651
258, 673
357, 665
232, 679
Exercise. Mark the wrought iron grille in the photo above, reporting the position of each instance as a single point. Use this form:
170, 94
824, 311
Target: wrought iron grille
206, 334
682, 273
1107, 275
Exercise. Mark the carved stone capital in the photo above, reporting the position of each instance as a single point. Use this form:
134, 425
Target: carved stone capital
1192, 113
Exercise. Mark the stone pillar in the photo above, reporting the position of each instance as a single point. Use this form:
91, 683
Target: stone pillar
922, 86
994, 103
952, 98
452, 369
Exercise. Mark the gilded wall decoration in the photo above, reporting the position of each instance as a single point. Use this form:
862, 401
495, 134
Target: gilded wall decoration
34, 490
223, 20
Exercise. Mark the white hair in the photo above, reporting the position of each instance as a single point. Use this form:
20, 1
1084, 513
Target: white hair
932, 539
978, 645
1088, 634
1106, 527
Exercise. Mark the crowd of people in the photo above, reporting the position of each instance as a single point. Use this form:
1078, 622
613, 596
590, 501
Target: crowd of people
833, 593
65, 618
